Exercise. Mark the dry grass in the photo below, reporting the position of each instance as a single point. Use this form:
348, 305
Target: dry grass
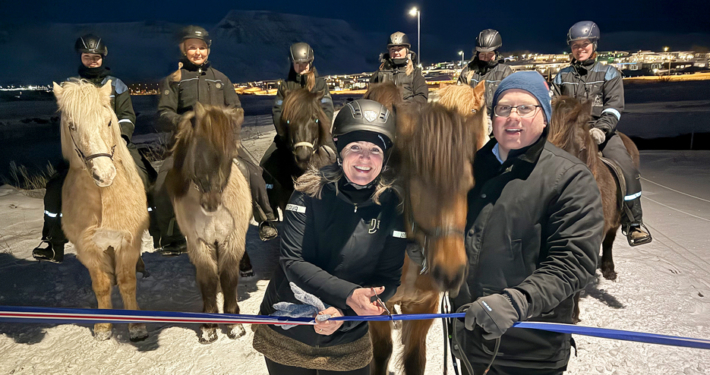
155, 151
21, 178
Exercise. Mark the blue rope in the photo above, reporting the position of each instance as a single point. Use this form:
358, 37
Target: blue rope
21, 314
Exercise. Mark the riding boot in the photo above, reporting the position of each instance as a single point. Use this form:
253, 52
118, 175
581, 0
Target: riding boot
172, 241
53, 239
636, 233
262, 211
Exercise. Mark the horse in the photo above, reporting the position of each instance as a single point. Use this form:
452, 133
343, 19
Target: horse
103, 198
464, 99
212, 205
569, 130
386, 93
308, 144
435, 146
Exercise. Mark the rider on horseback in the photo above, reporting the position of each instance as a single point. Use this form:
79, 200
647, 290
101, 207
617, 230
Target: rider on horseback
587, 79
92, 51
399, 66
486, 66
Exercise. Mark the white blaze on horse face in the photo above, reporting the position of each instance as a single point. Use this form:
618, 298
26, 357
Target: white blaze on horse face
515, 132
362, 162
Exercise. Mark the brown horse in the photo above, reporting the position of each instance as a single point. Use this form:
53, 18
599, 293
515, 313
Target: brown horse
436, 147
309, 144
212, 205
103, 200
569, 130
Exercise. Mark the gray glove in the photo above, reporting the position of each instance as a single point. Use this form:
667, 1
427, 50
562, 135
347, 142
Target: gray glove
598, 135
312, 305
497, 312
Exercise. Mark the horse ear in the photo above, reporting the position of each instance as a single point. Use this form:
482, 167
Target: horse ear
58, 90
105, 92
236, 115
320, 94
479, 92
200, 110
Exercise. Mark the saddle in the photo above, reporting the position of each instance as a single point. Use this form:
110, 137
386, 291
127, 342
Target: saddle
615, 170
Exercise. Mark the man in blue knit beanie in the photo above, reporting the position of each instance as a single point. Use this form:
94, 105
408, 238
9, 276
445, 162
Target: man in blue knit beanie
533, 233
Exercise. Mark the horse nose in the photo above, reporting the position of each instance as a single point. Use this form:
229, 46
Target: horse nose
103, 177
211, 202
449, 281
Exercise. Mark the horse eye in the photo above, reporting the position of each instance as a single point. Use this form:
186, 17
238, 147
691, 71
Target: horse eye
316, 121
72, 127
288, 122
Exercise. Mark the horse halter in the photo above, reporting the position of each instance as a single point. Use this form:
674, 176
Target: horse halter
430, 234
88, 158
311, 145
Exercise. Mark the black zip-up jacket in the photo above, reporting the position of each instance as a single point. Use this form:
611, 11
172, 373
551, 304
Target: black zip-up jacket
602, 84
120, 98
535, 224
297, 81
203, 84
414, 85
329, 248
474, 73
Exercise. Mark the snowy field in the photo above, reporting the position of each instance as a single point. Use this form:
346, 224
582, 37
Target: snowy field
663, 287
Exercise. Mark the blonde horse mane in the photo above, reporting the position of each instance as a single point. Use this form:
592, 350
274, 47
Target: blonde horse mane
468, 102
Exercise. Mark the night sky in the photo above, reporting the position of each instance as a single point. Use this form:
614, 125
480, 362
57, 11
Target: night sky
447, 26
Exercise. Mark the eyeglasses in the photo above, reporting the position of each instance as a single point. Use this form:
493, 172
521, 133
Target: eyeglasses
581, 45
524, 110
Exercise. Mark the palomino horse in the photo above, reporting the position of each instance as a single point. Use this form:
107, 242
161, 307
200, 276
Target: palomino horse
103, 199
212, 205
569, 130
309, 144
436, 147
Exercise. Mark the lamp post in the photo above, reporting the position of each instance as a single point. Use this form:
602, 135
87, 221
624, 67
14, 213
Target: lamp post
461, 53
415, 12
665, 49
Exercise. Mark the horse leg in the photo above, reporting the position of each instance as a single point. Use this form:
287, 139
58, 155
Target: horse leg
414, 334
126, 261
229, 279
607, 260
101, 282
381, 336
203, 257
576, 312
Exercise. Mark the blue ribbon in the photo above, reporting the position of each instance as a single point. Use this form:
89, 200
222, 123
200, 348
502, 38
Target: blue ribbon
21, 314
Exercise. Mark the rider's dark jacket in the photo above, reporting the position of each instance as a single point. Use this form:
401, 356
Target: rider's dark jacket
601, 84
414, 87
120, 97
477, 71
535, 224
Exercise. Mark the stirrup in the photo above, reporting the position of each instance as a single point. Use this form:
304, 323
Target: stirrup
641, 241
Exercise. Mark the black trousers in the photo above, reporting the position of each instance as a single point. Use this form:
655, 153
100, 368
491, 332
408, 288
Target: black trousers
165, 216
478, 369
278, 369
52, 229
614, 149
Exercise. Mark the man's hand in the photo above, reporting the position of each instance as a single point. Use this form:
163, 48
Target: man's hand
360, 301
327, 328
497, 312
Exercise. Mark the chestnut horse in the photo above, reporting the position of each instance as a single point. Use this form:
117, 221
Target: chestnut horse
435, 147
212, 205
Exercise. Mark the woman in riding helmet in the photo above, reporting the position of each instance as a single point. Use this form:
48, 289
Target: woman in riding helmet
399, 66
589, 80
343, 242
486, 65
92, 51
197, 81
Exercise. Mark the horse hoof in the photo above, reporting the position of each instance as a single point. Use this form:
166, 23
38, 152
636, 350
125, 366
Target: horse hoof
102, 335
247, 273
137, 332
235, 331
609, 275
208, 336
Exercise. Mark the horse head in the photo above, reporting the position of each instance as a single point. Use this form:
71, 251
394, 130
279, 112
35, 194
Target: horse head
436, 146
205, 147
306, 125
569, 129
386, 93
466, 100
89, 128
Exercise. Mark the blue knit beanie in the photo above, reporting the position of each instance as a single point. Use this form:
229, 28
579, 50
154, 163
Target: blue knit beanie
531, 82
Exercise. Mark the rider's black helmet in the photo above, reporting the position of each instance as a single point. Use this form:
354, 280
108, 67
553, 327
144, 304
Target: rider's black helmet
90, 43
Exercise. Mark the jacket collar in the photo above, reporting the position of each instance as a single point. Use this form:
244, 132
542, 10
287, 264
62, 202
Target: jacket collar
526, 155
189, 66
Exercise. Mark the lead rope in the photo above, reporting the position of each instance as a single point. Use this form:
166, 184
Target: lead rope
448, 338
457, 346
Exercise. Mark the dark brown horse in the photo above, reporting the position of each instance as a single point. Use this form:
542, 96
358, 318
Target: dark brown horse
308, 144
436, 147
212, 205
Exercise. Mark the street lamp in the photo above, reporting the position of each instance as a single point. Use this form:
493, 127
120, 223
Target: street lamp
665, 49
461, 53
415, 12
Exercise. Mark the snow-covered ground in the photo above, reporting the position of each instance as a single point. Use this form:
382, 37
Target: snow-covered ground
663, 287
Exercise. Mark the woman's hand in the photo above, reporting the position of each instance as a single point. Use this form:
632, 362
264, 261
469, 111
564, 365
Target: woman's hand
360, 302
327, 328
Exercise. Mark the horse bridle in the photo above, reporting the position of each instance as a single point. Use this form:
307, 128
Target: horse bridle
430, 234
311, 145
85, 158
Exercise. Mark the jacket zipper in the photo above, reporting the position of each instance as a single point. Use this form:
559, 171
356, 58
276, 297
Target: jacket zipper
355, 204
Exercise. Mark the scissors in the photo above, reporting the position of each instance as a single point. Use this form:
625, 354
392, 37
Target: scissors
376, 298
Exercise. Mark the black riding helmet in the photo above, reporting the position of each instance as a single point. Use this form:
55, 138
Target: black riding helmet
195, 32
398, 39
488, 40
301, 53
584, 30
91, 43
365, 120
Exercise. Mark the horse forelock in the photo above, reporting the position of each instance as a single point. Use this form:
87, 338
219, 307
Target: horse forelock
461, 98
438, 149
386, 93
300, 106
